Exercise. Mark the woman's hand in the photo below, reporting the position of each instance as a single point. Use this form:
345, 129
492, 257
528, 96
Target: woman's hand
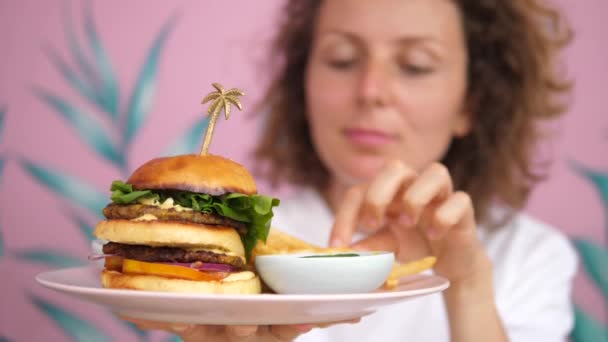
419, 214
415, 215
231, 333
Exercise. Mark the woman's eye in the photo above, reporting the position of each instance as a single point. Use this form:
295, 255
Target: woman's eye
341, 64
416, 70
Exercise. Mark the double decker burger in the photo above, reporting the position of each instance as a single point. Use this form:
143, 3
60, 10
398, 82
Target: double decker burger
184, 224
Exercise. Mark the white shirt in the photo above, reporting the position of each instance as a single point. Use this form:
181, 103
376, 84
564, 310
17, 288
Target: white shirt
534, 265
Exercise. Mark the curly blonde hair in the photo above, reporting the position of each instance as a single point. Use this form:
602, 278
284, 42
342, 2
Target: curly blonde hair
513, 82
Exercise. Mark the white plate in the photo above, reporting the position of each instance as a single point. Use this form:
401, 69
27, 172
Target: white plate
263, 309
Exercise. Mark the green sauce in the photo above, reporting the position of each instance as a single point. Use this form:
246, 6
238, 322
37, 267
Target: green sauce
332, 255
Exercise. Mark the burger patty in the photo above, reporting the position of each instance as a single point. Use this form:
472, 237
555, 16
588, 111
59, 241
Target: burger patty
132, 211
169, 254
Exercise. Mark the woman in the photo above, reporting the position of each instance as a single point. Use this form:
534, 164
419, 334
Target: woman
410, 125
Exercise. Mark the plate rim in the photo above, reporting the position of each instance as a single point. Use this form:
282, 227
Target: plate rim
87, 290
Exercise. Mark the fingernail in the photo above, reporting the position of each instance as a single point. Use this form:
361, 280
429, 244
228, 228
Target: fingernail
179, 328
244, 331
335, 242
373, 222
304, 327
360, 248
433, 233
405, 220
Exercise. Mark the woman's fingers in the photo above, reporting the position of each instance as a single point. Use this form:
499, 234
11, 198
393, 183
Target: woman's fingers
241, 333
369, 204
232, 333
350, 321
412, 245
407, 200
188, 332
347, 217
289, 332
381, 240
382, 191
433, 185
456, 212
153, 325
197, 333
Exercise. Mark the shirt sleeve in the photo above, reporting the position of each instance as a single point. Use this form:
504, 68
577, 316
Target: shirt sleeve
537, 302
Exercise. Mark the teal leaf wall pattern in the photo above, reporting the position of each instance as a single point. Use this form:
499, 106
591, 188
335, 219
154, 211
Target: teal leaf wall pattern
83, 224
109, 84
73, 326
104, 97
587, 329
142, 335
79, 84
70, 188
2, 114
598, 179
595, 260
191, 141
88, 128
1, 245
95, 80
49, 258
143, 92
90, 75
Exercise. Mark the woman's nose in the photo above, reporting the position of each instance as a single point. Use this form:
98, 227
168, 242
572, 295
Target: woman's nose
374, 84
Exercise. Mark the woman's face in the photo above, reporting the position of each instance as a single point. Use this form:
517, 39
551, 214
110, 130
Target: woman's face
386, 79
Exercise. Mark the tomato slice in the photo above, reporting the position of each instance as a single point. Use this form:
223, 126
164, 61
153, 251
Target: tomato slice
131, 266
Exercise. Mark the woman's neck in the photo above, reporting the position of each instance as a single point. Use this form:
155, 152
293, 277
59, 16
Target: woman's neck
333, 194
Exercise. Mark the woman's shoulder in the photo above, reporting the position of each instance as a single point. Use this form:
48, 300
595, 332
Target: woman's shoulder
527, 244
303, 202
304, 214
534, 267
527, 236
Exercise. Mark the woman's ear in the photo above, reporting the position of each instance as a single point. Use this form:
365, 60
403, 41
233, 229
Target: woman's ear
462, 125
464, 121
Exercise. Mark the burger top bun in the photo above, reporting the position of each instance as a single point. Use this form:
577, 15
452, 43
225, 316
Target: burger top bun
208, 174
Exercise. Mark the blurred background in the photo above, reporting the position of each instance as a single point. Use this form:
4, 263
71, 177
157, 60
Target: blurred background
91, 89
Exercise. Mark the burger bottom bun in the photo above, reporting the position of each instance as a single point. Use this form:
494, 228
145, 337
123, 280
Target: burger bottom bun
243, 283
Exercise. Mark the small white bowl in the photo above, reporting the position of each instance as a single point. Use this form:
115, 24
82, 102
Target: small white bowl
303, 274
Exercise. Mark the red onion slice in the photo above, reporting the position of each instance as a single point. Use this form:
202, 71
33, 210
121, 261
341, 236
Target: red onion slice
201, 266
94, 257
212, 267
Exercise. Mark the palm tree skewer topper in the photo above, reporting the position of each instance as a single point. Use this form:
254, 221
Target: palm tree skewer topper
221, 99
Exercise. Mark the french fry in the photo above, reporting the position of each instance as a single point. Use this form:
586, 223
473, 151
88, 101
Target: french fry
279, 242
413, 267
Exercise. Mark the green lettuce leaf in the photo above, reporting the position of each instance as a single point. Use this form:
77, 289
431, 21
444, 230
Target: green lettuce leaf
254, 210
123, 193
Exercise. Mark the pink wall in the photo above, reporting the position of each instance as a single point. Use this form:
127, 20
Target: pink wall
212, 41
